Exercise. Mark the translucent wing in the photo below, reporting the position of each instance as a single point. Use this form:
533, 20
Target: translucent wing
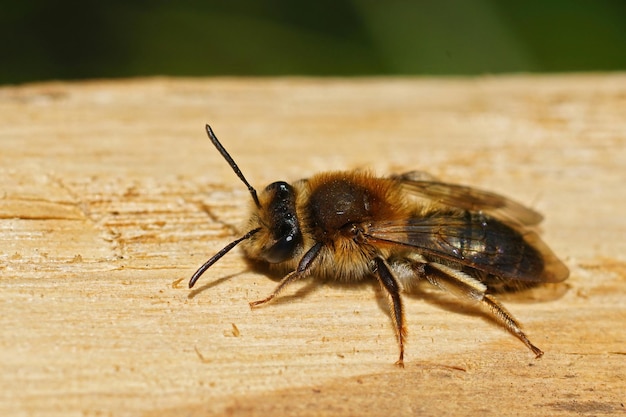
474, 240
469, 198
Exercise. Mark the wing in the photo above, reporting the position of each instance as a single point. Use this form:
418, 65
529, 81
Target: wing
468, 198
474, 240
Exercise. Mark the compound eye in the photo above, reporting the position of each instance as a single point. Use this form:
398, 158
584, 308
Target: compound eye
281, 191
284, 247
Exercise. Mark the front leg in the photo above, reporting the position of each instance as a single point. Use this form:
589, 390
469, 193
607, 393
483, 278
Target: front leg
392, 287
303, 270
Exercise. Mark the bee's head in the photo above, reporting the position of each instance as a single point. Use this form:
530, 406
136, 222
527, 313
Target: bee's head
280, 235
275, 234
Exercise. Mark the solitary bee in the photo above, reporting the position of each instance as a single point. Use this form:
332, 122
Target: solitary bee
351, 225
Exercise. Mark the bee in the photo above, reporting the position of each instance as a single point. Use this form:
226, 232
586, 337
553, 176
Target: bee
401, 229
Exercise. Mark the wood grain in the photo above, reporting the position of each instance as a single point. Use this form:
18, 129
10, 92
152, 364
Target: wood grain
111, 195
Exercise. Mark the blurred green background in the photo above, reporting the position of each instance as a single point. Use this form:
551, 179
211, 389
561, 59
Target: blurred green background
74, 39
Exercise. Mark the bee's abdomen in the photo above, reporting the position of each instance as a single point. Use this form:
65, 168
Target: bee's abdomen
492, 245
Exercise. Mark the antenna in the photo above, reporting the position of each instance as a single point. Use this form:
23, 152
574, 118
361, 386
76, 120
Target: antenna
232, 164
218, 255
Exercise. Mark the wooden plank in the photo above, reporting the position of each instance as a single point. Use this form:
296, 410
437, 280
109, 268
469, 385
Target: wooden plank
111, 195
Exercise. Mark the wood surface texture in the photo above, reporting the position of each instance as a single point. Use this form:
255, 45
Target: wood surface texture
111, 196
